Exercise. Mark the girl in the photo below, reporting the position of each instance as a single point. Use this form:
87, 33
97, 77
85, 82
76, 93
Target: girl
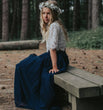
34, 84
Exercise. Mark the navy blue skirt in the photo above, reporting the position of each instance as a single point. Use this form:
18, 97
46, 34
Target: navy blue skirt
34, 85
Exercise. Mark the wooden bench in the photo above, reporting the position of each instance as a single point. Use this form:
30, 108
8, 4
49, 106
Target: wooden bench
85, 90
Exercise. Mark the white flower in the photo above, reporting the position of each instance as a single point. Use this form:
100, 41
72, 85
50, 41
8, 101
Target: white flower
51, 6
62, 11
47, 3
41, 5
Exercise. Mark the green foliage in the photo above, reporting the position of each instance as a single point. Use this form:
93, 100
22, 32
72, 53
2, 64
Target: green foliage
101, 19
92, 39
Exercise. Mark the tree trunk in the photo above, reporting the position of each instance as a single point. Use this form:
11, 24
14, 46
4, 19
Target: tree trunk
37, 27
0, 19
19, 13
66, 13
100, 6
89, 14
5, 31
95, 13
101, 13
19, 45
24, 28
14, 25
86, 13
76, 15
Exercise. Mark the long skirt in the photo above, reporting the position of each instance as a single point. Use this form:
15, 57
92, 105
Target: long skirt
33, 84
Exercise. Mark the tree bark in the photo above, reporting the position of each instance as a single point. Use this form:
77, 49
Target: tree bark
24, 28
101, 12
19, 13
86, 13
14, 26
5, 17
37, 27
101, 6
0, 19
76, 15
19, 45
89, 14
66, 13
95, 13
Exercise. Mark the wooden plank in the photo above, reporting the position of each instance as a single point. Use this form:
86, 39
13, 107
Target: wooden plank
69, 97
74, 103
96, 79
77, 86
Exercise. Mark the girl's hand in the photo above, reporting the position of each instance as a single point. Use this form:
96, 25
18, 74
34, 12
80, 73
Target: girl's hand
53, 70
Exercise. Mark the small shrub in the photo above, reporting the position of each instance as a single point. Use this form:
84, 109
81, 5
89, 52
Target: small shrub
92, 39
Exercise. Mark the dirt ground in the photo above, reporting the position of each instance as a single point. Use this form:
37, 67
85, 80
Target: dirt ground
89, 60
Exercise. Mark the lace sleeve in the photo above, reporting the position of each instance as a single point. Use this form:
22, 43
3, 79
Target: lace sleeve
53, 36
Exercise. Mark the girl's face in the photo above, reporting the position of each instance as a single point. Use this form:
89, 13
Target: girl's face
46, 15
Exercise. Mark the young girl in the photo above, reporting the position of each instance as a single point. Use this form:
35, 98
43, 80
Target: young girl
34, 84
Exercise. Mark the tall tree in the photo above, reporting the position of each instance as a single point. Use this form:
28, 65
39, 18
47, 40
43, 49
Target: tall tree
76, 15
95, 13
32, 23
0, 19
101, 6
89, 14
85, 5
14, 25
24, 28
101, 12
5, 31
66, 13
37, 27
19, 15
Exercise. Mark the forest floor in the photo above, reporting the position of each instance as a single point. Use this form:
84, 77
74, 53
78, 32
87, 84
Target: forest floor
89, 60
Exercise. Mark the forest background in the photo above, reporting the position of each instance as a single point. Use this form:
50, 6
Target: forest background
83, 19
19, 20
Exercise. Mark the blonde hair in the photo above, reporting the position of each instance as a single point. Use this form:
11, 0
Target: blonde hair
45, 27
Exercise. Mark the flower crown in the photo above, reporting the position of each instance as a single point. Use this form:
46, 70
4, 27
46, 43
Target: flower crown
51, 6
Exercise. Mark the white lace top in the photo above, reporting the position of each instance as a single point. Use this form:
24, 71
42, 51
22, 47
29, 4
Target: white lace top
56, 39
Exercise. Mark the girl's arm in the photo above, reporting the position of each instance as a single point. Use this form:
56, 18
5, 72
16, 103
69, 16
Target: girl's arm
54, 61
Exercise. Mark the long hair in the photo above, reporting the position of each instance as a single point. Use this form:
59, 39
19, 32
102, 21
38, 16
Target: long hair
45, 27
